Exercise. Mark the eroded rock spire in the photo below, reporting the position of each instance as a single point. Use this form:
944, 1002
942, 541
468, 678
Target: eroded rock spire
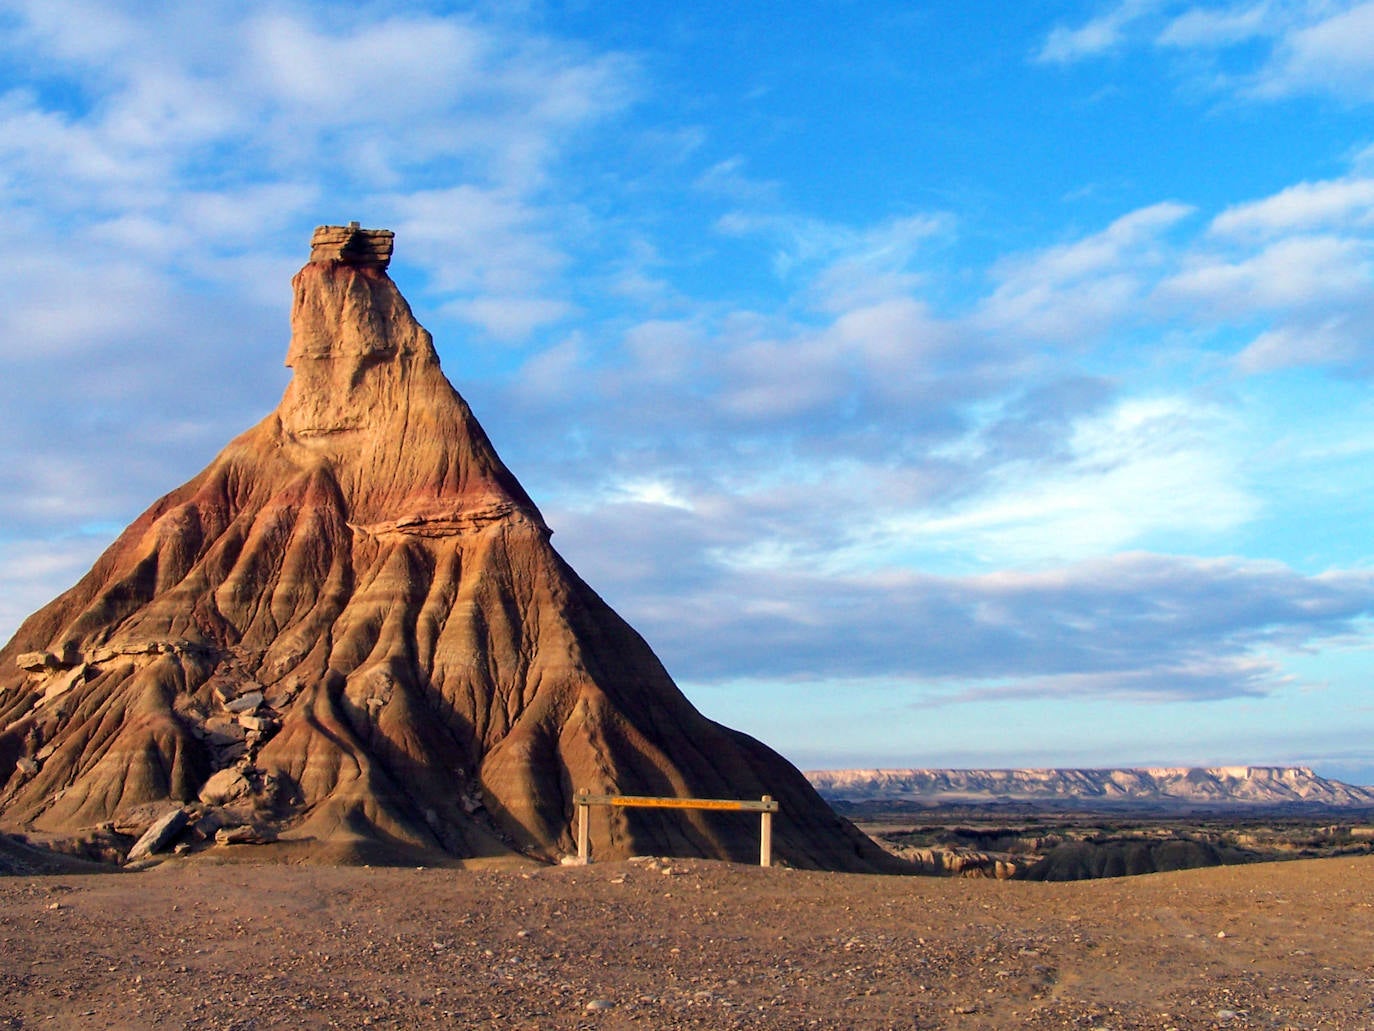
350, 633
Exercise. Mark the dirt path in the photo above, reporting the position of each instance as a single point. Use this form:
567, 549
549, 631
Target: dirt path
685, 944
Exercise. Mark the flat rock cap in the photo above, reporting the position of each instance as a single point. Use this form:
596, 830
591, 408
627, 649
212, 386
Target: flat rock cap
352, 245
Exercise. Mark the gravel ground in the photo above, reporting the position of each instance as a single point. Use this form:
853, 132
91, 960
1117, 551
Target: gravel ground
672, 944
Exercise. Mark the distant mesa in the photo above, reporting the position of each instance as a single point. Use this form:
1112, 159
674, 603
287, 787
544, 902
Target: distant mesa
350, 636
1155, 786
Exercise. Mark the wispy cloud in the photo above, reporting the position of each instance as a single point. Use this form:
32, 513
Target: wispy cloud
1292, 273
1213, 27
1143, 468
1074, 290
1277, 48
30, 565
1303, 207
1099, 35
730, 179
1301, 261
1332, 53
1336, 341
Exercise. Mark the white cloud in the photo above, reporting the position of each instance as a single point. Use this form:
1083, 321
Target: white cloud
771, 380
880, 358
1332, 54
1332, 341
510, 317
428, 89
877, 264
40, 312
654, 492
501, 252
344, 78
31, 566
70, 164
545, 376
1208, 27
216, 130
1301, 263
1294, 272
1073, 290
844, 266
1197, 679
1147, 467
730, 179
1255, 50
476, 240
898, 338
1339, 203
1093, 38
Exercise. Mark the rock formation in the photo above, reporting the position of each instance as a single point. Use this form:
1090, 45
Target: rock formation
351, 631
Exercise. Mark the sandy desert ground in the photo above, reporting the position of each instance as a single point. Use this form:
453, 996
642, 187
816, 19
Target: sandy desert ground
685, 944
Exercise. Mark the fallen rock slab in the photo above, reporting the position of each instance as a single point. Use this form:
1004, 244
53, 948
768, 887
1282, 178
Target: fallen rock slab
157, 837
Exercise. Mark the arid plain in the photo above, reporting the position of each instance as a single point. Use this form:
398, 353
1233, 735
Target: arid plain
660, 943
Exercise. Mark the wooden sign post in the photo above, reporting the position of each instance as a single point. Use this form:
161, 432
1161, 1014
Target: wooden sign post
765, 807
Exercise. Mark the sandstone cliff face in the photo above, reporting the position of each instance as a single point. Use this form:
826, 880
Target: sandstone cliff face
351, 629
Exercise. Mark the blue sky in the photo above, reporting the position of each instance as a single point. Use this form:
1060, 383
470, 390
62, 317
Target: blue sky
945, 384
